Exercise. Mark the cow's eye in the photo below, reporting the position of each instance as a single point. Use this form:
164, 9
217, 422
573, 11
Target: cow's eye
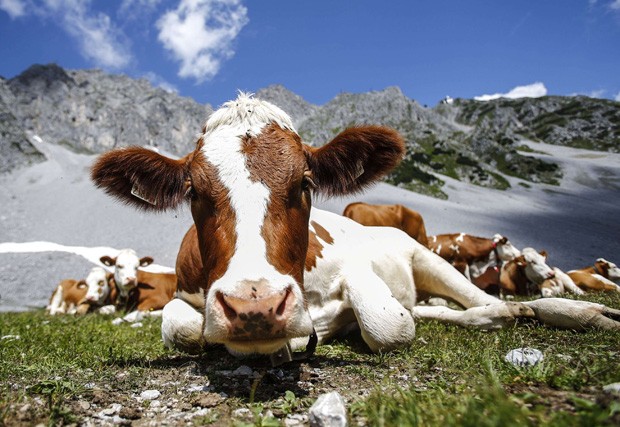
307, 183
100, 283
120, 266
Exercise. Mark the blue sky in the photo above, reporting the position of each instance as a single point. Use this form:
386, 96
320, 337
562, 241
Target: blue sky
207, 49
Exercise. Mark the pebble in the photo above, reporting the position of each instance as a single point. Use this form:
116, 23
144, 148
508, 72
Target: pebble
244, 371
137, 325
613, 388
295, 420
329, 410
150, 394
524, 356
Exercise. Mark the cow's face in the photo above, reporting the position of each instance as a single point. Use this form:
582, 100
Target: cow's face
535, 265
126, 266
608, 269
249, 185
505, 250
97, 286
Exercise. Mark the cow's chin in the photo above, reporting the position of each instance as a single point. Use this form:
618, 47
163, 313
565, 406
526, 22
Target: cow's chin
249, 348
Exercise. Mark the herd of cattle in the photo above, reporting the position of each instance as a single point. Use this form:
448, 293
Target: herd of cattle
261, 270
492, 264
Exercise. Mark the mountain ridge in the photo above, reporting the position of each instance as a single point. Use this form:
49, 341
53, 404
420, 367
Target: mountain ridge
479, 142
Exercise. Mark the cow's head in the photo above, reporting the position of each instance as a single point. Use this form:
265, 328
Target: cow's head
126, 265
249, 183
607, 269
97, 288
505, 250
535, 265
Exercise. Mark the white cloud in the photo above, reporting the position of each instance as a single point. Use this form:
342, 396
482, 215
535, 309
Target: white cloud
617, 98
15, 8
200, 34
615, 5
99, 39
137, 9
535, 90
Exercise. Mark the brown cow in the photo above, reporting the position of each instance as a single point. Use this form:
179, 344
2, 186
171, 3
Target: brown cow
398, 216
524, 274
80, 296
598, 277
473, 255
261, 271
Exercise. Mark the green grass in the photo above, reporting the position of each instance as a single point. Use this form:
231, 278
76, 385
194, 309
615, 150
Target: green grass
448, 376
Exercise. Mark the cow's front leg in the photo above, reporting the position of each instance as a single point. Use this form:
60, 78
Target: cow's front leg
571, 314
182, 327
488, 317
384, 322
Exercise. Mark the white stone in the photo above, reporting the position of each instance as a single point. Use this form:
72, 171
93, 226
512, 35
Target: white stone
150, 394
329, 410
524, 356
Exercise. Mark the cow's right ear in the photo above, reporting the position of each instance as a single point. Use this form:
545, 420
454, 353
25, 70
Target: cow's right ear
354, 159
142, 177
109, 261
520, 261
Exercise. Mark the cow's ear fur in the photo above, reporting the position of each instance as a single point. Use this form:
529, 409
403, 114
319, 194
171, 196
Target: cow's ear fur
520, 261
142, 177
109, 261
144, 261
354, 159
543, 253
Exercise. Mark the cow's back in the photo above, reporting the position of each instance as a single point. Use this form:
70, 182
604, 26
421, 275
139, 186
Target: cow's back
154, 290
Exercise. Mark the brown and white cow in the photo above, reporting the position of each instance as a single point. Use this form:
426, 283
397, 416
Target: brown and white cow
408, 220
524, 274
135, 289
80, 296
560, 284
472, 255
599, 277
260, 268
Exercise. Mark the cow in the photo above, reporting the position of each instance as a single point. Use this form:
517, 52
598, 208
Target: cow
598, 277
80, 296
559, 284
408, 220
522, 275
473, 255
261, 269
125, 264
135, 289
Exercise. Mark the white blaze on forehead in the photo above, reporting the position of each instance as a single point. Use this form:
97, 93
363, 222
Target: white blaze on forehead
127, 263
97, 284
223, 149
460, 237
536, 268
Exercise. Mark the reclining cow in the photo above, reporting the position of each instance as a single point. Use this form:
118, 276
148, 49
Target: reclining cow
138, 290
261, 269
408, 220
81, 296
598, 277
474, 256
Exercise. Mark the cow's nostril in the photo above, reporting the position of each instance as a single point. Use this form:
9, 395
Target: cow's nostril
282, 305
230, 312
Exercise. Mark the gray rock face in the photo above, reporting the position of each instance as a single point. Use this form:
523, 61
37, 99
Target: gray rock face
90, 111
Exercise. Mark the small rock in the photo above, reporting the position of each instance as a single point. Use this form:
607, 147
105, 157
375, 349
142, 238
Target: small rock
84, 405
134, 316
194, 388
208, 400
329, 410
243, 413
137, 325
295, 420
150, 394
613, 388
524, 356
244, 371
117, 321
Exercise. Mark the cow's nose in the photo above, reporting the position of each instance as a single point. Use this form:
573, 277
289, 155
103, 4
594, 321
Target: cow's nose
551, 275
256, 316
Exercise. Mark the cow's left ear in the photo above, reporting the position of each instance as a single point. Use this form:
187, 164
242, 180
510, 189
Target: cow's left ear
142, 177
109, 261
520, 261
543, 253
354, 159
144, 261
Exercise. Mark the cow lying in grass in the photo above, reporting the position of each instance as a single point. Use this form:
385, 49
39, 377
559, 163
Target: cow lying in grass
598, 277
81, 296
261, 269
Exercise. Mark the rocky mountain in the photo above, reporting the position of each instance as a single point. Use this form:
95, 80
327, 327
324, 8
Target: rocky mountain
472, 141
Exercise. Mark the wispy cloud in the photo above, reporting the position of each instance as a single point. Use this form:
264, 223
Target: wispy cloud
98, 38
535, 90
137, 9
615, 5
200, 34
617, 98
15, 8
